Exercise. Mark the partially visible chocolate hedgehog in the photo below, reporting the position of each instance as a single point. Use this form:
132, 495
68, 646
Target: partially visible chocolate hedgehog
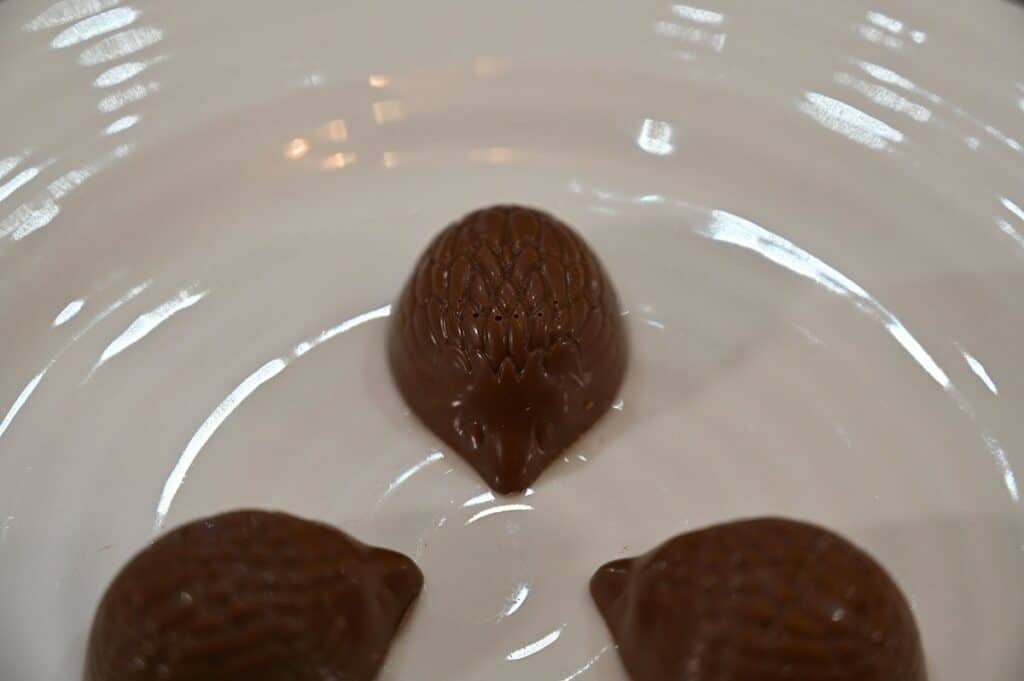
507, 341
766, 599
251, 595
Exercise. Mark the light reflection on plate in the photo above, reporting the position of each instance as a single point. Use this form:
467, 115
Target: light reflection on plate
813, 214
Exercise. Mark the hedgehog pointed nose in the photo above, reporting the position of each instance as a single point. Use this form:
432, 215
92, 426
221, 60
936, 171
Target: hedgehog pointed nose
513, 452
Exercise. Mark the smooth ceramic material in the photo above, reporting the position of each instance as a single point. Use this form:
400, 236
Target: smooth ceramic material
814, 213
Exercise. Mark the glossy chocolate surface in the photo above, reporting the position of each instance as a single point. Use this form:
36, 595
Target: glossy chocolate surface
253, 596
507, 341
765, 600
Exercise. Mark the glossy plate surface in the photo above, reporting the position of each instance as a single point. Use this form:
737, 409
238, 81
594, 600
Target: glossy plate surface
814, 213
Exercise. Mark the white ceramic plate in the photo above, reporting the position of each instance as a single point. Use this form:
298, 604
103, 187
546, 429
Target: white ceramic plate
814, 213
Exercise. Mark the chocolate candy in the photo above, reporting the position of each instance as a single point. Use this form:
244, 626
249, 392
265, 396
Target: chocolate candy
766, 599
507, 341
251, 595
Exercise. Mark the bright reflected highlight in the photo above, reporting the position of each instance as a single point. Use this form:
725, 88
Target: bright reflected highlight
1004, 465
120, 45
29, 218
411, 471
978, 369
655, 137
147, 323
515, 601
69, 311
96, 25
20, 401
732, 229
121, 124
128, 95
206, 431
235, 398
535, 647
67, 11
850, 122
120, 73
698, 15
590, 663
507, 508
484, 498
